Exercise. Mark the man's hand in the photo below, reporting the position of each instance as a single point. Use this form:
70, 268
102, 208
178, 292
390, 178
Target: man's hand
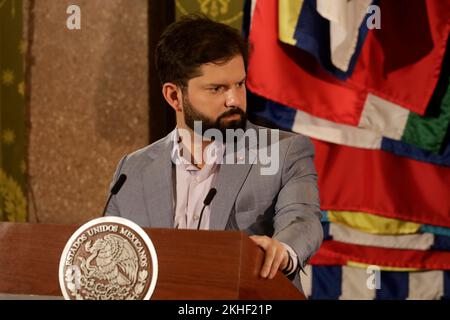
276, 257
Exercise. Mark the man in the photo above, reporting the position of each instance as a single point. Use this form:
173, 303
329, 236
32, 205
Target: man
202, 67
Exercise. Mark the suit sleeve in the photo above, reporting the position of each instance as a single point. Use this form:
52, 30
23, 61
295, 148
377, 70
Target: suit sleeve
113, 208
297, 210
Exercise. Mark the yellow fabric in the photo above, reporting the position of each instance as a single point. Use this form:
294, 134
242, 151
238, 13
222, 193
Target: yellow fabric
372, 223
288, 13
382, 268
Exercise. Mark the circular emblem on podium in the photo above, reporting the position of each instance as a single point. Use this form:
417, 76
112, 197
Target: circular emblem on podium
108, 258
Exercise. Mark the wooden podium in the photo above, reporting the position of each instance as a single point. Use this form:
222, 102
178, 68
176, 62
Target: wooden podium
192, 265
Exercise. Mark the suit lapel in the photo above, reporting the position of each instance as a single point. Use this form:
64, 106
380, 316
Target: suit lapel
229, 181
228, 184
157, 184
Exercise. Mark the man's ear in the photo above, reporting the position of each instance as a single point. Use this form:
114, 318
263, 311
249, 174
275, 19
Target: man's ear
173, 95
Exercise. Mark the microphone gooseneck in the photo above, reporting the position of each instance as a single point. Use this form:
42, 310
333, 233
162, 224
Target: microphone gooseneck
114, 190
208, 199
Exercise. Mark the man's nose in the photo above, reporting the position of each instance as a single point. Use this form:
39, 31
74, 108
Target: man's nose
232, 98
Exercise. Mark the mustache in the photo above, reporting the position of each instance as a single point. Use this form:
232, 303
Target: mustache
231, 112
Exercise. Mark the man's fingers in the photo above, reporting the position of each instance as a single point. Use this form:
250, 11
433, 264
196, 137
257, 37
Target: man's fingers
279, 258
275, 255
261, 241
269, 253
268, 261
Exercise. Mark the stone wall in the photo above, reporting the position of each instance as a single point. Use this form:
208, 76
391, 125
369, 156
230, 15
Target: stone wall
88, 102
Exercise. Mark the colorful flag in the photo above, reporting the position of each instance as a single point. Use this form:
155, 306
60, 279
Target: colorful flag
335, 45
339, 253
416, 241
352, 283
288, 13
345, 17
402, 61
283, 80
371, 223
293, 78
373, 181
375, 109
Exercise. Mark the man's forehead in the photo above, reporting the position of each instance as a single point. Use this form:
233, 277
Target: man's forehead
232, 70
234, 62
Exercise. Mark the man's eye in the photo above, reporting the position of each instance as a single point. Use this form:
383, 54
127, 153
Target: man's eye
216, 89
241, 84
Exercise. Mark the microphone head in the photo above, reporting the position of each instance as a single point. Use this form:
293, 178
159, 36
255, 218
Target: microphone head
119, 183
212, 192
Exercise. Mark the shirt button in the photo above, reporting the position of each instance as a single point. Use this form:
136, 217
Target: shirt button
196, 217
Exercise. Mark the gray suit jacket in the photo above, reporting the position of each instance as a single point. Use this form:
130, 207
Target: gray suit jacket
284, 205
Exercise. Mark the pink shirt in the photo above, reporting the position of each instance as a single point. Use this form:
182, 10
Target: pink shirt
193, 184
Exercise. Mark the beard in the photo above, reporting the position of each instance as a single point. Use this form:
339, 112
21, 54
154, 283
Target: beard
221, 123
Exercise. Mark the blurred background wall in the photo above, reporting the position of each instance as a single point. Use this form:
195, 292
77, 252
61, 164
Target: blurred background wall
88, 102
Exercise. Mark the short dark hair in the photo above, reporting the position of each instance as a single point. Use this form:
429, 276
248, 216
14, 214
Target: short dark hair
192, 41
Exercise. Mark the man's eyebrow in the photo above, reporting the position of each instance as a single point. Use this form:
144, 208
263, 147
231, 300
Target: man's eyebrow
215, 85
222, 84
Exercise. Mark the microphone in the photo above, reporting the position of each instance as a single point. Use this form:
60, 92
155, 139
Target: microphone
209, 197
114, 190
